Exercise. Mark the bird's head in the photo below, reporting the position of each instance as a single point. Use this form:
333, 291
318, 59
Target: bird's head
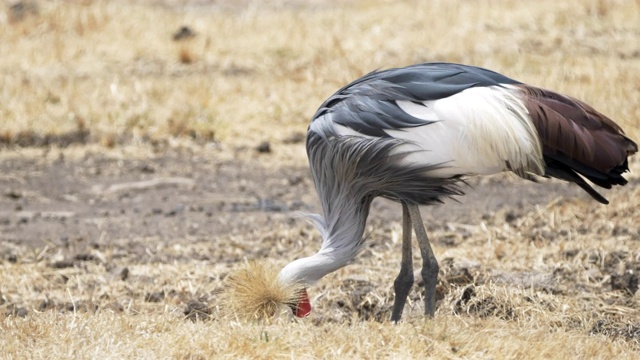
294, 273
302, 273
255, 291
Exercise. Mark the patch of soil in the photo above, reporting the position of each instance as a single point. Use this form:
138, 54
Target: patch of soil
77, 204
197, 310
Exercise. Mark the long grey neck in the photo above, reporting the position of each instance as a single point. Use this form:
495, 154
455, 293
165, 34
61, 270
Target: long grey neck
342, 168
342, 233
344, 221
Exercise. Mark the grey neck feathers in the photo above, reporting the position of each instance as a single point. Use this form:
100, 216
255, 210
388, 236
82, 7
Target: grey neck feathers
349, 172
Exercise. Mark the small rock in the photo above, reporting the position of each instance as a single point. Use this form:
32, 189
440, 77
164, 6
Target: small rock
84, 257
28, 215
147, 169
510, 216
183, 33
627, 282
20, 9
22, 312
13, 195
264, 147
571, 253
121, 273
154, 297
62, 264
13, 310
467, 294
175, 211
197, 310
46, 305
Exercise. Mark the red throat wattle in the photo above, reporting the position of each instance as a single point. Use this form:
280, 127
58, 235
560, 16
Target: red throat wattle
304, 305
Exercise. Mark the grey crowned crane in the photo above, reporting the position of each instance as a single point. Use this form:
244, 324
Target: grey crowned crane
412, 134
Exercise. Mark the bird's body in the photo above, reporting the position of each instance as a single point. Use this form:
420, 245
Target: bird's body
411, 134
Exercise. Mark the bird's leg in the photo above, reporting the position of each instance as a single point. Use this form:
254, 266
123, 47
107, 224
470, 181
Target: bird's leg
429, 263
404, 281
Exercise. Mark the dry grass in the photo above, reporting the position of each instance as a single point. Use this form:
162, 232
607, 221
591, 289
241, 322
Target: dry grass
544, 282
111, 336
117, 70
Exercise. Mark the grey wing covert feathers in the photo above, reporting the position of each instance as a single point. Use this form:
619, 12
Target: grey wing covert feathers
367, 105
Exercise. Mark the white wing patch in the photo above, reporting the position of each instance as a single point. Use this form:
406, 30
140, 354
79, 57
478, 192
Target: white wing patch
481, 130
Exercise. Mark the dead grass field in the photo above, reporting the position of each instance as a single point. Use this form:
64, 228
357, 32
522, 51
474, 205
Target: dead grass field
131, 183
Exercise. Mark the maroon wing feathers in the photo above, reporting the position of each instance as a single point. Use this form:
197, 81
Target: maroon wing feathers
578, 139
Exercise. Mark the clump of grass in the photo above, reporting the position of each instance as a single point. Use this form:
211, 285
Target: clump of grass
253, 292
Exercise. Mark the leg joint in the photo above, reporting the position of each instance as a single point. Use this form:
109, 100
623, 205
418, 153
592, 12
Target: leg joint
405, 278
430, 266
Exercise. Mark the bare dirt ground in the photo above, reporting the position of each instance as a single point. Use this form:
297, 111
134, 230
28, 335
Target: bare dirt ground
73, 203
68, 211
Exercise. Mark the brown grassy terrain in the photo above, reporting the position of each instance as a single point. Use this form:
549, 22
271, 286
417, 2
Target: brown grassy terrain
131, 183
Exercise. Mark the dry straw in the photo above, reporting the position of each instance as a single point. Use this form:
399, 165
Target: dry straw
253, 292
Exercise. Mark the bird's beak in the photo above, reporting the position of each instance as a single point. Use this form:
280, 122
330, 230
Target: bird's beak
304, 305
